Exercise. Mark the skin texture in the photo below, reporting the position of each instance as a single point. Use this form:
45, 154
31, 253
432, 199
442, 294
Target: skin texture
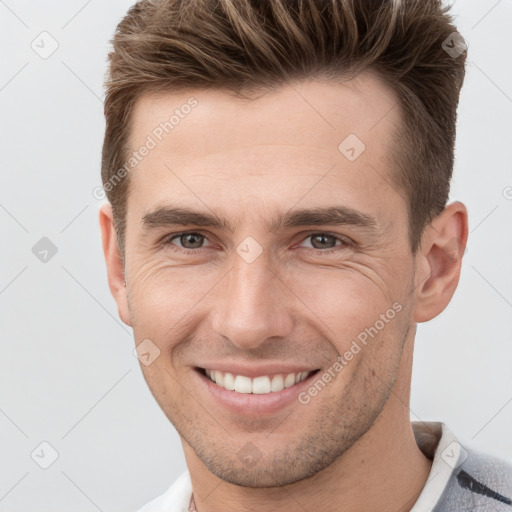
249, 162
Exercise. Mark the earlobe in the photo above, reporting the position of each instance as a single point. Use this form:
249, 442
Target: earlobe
113, 260
439, 261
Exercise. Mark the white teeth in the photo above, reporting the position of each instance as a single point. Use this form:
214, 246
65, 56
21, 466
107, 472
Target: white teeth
219, 378
229, 381
277, 383
259, 385
243, 384
289, 380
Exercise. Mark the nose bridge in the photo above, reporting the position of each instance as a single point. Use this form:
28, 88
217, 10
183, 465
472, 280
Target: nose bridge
250, 306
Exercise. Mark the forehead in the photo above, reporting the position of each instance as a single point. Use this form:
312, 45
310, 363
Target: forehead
299, 112
277, 144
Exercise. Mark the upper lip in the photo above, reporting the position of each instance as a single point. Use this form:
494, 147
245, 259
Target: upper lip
252, 370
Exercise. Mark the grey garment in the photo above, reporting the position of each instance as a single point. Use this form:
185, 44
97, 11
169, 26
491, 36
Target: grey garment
481, 483
461, 479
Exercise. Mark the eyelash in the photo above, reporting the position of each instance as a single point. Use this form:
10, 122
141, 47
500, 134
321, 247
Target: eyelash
344, 242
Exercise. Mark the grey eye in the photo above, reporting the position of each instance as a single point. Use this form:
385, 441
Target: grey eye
322, 241
190, 240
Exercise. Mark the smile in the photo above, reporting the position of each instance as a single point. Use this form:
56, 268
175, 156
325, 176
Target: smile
258, 385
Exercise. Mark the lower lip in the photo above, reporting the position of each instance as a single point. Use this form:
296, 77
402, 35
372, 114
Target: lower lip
251, 404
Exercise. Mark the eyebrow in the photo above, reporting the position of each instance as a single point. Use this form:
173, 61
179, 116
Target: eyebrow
167, 216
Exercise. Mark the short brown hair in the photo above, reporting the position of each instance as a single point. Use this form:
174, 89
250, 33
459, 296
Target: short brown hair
249, 45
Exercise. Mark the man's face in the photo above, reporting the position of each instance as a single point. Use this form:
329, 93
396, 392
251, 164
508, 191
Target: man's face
270, 291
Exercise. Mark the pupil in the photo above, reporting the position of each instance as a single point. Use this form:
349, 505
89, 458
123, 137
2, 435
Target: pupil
322, 239
191, 237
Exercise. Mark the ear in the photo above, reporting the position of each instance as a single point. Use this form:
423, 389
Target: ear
438, 262
115, 267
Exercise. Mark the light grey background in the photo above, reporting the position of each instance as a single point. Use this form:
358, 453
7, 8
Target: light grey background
67, 372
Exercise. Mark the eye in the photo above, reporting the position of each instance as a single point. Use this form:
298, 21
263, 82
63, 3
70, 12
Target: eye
322, 242
188, 240
326, 242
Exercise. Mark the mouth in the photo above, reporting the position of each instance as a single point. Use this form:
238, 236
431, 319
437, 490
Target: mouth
259, 385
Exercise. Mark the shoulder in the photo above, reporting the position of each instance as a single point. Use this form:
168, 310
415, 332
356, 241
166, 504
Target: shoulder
174, 499
461, 478
479, 481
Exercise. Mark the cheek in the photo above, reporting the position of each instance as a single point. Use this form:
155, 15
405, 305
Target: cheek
162, 297
345, 301
362, 317
166, 389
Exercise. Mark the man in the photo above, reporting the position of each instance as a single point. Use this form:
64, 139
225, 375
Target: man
278, 175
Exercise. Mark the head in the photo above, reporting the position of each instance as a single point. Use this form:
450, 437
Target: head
278, 174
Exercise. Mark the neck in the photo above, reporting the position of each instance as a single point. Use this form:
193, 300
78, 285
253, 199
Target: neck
384, 470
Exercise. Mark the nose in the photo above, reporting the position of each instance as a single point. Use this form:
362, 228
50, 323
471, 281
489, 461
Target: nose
252, 304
